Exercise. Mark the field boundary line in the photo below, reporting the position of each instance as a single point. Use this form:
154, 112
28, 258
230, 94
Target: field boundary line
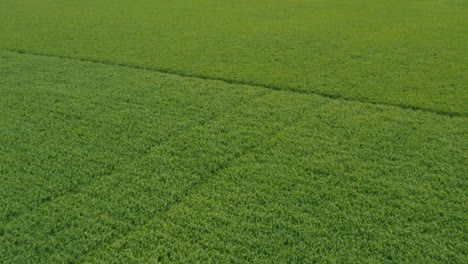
246, 83
114, 170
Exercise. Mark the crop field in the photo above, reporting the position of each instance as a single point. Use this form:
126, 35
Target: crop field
233, 131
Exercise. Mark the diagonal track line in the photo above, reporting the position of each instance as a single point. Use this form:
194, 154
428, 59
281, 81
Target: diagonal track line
247, 83
142, 156
197, 185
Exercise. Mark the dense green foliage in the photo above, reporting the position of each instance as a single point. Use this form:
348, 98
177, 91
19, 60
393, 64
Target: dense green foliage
233, 131
113, 164
411, 53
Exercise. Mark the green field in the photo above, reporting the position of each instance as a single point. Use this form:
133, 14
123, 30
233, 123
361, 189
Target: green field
203, 131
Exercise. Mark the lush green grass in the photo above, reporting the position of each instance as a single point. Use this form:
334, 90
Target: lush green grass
320, 131
110, 164
411, 53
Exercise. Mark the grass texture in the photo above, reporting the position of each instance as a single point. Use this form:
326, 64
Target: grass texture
410, 53
210, 131
105, 164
